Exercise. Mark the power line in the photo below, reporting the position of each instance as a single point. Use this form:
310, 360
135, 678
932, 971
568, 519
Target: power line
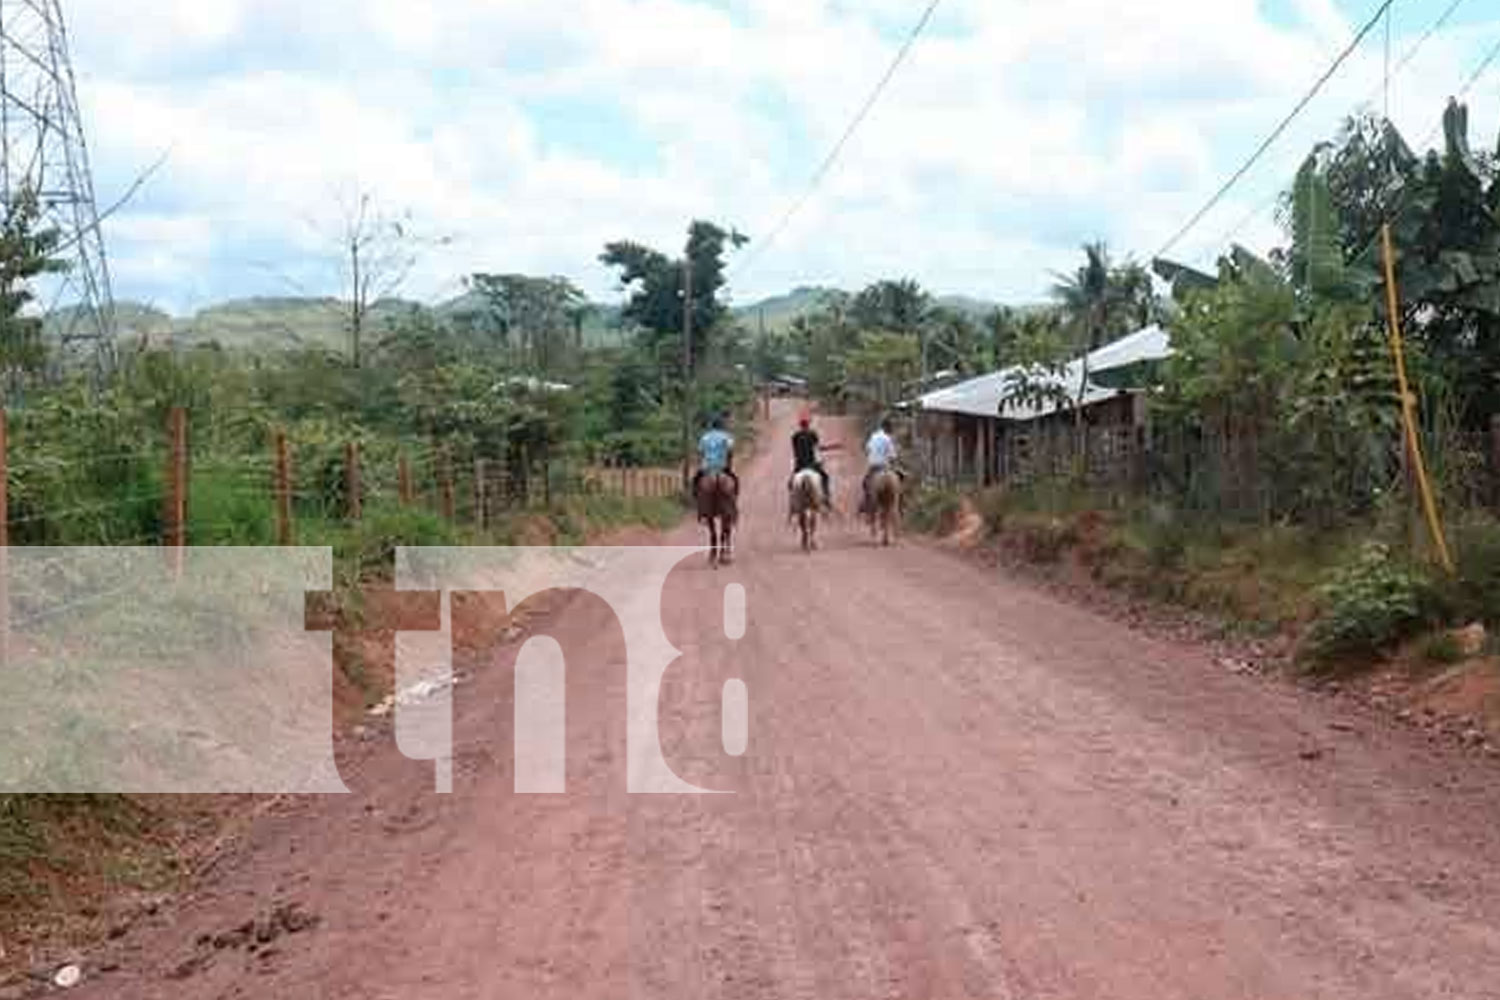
1382, 89
838, 149
1276, 133
1403, 201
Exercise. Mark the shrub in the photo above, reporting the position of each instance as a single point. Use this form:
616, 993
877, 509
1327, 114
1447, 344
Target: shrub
1441, 648
1045, 540
1476, 589
1368, 605
934, 510
367, 549
993, 506
1166, 538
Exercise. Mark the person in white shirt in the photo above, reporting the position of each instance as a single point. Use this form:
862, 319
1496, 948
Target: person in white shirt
880, 453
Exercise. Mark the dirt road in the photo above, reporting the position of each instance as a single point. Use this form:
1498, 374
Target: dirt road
956, 786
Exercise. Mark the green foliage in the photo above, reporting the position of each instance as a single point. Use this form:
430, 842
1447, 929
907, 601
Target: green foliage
1446, 233
80, 471
958, 343
1042, 539
1317, 258
541, 318
1367, 606
25, 254
873, 347
655, 283
1038, 353
933, 510
770, 356
883, 366
824, 341
892, 305
1474, 594
1102, 300
1296, 395
366, 549
1441, 648
50, 839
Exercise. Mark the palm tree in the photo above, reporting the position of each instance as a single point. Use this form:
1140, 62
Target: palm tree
1099, 300
1087, 297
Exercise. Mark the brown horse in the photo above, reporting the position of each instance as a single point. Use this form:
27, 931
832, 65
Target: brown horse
718, 509
807, 500
884, 505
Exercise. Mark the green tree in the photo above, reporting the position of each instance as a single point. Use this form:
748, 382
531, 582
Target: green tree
1101, 301
954, 341
883, 366
655, 283
1446, 232
541, 318
901, 306
1037, 355
26, 253
823, 340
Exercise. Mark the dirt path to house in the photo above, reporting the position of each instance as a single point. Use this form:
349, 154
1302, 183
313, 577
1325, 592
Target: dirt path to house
956, 786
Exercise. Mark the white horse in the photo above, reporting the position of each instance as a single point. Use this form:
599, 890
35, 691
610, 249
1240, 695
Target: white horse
807, 500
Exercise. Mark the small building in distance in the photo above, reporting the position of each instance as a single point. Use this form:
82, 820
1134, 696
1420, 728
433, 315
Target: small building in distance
977, 432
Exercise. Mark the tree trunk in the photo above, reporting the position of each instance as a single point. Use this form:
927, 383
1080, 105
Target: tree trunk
356, 308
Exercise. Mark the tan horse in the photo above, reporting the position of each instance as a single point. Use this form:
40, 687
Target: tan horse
884, 508
718, 509
807, 500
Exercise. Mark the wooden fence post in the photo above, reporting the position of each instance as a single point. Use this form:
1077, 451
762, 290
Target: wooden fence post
283, 491
353, 488
481, 494
403, 480
445, 482
175, 528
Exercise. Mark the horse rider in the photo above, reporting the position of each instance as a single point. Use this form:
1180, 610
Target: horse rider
716, 455
880, 454
805, 455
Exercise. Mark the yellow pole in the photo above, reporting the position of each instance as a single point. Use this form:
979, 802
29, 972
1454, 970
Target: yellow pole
1408, 405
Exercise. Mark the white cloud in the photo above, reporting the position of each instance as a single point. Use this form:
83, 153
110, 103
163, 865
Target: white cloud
1016, 131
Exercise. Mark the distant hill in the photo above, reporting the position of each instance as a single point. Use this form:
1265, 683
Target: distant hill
271, 323
780, 310
280, 323
978, 309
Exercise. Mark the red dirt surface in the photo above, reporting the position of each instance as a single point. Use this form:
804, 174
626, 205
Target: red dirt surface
957, 785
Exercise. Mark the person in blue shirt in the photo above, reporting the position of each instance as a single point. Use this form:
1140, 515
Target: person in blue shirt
716, 455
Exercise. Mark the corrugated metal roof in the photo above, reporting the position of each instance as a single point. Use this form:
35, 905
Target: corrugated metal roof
983, 396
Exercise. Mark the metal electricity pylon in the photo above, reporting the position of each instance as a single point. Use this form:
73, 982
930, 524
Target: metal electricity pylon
43, 151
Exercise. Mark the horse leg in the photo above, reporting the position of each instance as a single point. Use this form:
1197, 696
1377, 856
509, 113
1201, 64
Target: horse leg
713, 541
726, 542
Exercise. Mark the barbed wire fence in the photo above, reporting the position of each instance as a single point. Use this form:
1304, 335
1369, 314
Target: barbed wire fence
174, 492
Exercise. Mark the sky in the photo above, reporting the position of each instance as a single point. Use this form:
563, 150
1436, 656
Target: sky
527, 134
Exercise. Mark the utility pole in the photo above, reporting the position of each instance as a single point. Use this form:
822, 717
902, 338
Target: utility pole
688, 381
922, 339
